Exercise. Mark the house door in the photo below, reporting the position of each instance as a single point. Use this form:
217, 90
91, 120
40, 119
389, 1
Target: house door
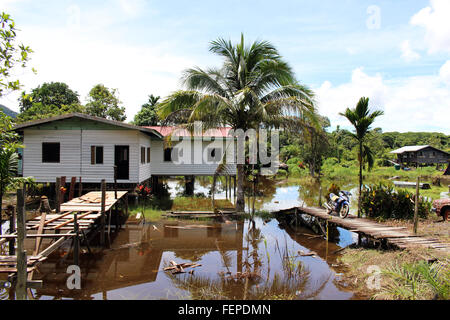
122, 161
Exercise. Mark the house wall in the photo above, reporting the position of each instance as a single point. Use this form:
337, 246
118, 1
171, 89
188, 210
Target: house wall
144, 169
75, 154
70, 154
427, 156
191, 163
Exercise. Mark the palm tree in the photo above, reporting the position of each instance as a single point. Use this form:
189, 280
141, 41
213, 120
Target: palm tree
361, 118
253, 87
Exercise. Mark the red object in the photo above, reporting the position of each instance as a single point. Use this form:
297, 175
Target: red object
216, 132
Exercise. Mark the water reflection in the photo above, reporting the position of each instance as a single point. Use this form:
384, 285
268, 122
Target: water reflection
239, 260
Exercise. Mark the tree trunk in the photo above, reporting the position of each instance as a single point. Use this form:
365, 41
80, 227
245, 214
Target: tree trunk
360, 177
240, 201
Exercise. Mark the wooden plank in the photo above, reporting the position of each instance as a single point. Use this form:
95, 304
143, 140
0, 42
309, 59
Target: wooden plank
14, 258
71, 220
37, 235
40, 231
14, 270
46, 252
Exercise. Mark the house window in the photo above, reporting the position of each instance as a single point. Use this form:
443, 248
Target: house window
168, 154
148, 155
96, 155
142, 155
51, 152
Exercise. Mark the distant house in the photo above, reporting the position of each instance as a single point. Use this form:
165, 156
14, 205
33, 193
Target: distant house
418, 155
79, 145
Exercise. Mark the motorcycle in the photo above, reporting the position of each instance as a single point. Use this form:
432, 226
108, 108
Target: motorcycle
339, 204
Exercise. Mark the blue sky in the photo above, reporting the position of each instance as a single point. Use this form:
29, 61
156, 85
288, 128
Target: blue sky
395, 52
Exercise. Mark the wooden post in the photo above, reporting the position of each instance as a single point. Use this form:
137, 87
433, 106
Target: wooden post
76, 245
12, 228
80, 188
226, 187
115, 182
103, 218
234, 188
21, 287
416, 206
58, 195
73, 181
63, 184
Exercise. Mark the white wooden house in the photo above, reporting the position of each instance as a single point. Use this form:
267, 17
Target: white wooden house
79, 145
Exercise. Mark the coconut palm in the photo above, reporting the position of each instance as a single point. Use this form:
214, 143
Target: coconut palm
253, 87
362, 118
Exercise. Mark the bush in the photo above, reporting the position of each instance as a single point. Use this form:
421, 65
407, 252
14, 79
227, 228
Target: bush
380, 201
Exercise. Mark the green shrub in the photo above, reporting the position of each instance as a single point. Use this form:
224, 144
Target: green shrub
380, 201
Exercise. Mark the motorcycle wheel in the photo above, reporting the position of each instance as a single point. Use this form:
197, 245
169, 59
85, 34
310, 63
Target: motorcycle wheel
343, 213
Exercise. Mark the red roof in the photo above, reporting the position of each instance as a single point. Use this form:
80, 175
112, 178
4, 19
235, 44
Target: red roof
221, 132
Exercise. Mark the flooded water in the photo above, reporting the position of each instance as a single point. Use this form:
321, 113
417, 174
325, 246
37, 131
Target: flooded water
259, 259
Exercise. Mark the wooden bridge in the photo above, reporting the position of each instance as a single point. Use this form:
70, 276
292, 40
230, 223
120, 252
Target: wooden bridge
398, 237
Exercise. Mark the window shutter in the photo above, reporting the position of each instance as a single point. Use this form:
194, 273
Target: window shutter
92, 154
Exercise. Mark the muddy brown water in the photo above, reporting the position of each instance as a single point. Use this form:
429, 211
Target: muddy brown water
263, 259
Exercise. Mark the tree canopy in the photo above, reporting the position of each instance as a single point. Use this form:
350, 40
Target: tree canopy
148, 116
57, 94
11, 54
103, 102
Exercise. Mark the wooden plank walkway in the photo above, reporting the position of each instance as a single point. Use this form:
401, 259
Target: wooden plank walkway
397, 236
88, 208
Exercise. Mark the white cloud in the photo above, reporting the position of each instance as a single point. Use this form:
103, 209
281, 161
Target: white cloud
408, 54
69, 55
435, 20
409, 104
444, 72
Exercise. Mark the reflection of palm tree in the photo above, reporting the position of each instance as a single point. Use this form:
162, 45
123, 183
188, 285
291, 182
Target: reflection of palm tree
284, 284
225, 255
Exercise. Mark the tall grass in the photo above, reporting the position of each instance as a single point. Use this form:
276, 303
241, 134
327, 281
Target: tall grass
415, 281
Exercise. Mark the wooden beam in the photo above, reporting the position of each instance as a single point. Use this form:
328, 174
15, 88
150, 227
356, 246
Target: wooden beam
53, 246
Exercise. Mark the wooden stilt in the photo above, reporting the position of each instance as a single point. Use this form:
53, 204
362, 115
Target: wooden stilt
103, 213
73, 181
58, 195
115, 182
76, 239
12, 228
21, 286
80, 188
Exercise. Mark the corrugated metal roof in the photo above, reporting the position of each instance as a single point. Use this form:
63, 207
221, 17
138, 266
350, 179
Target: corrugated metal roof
410, 149
221, 132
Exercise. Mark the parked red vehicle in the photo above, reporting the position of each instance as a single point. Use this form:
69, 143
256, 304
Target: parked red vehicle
442, 208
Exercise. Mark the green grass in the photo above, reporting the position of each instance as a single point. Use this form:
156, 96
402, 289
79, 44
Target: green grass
199, 204
155, 210
149, 213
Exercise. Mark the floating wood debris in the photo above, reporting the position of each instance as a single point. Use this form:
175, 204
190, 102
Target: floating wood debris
177, 268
